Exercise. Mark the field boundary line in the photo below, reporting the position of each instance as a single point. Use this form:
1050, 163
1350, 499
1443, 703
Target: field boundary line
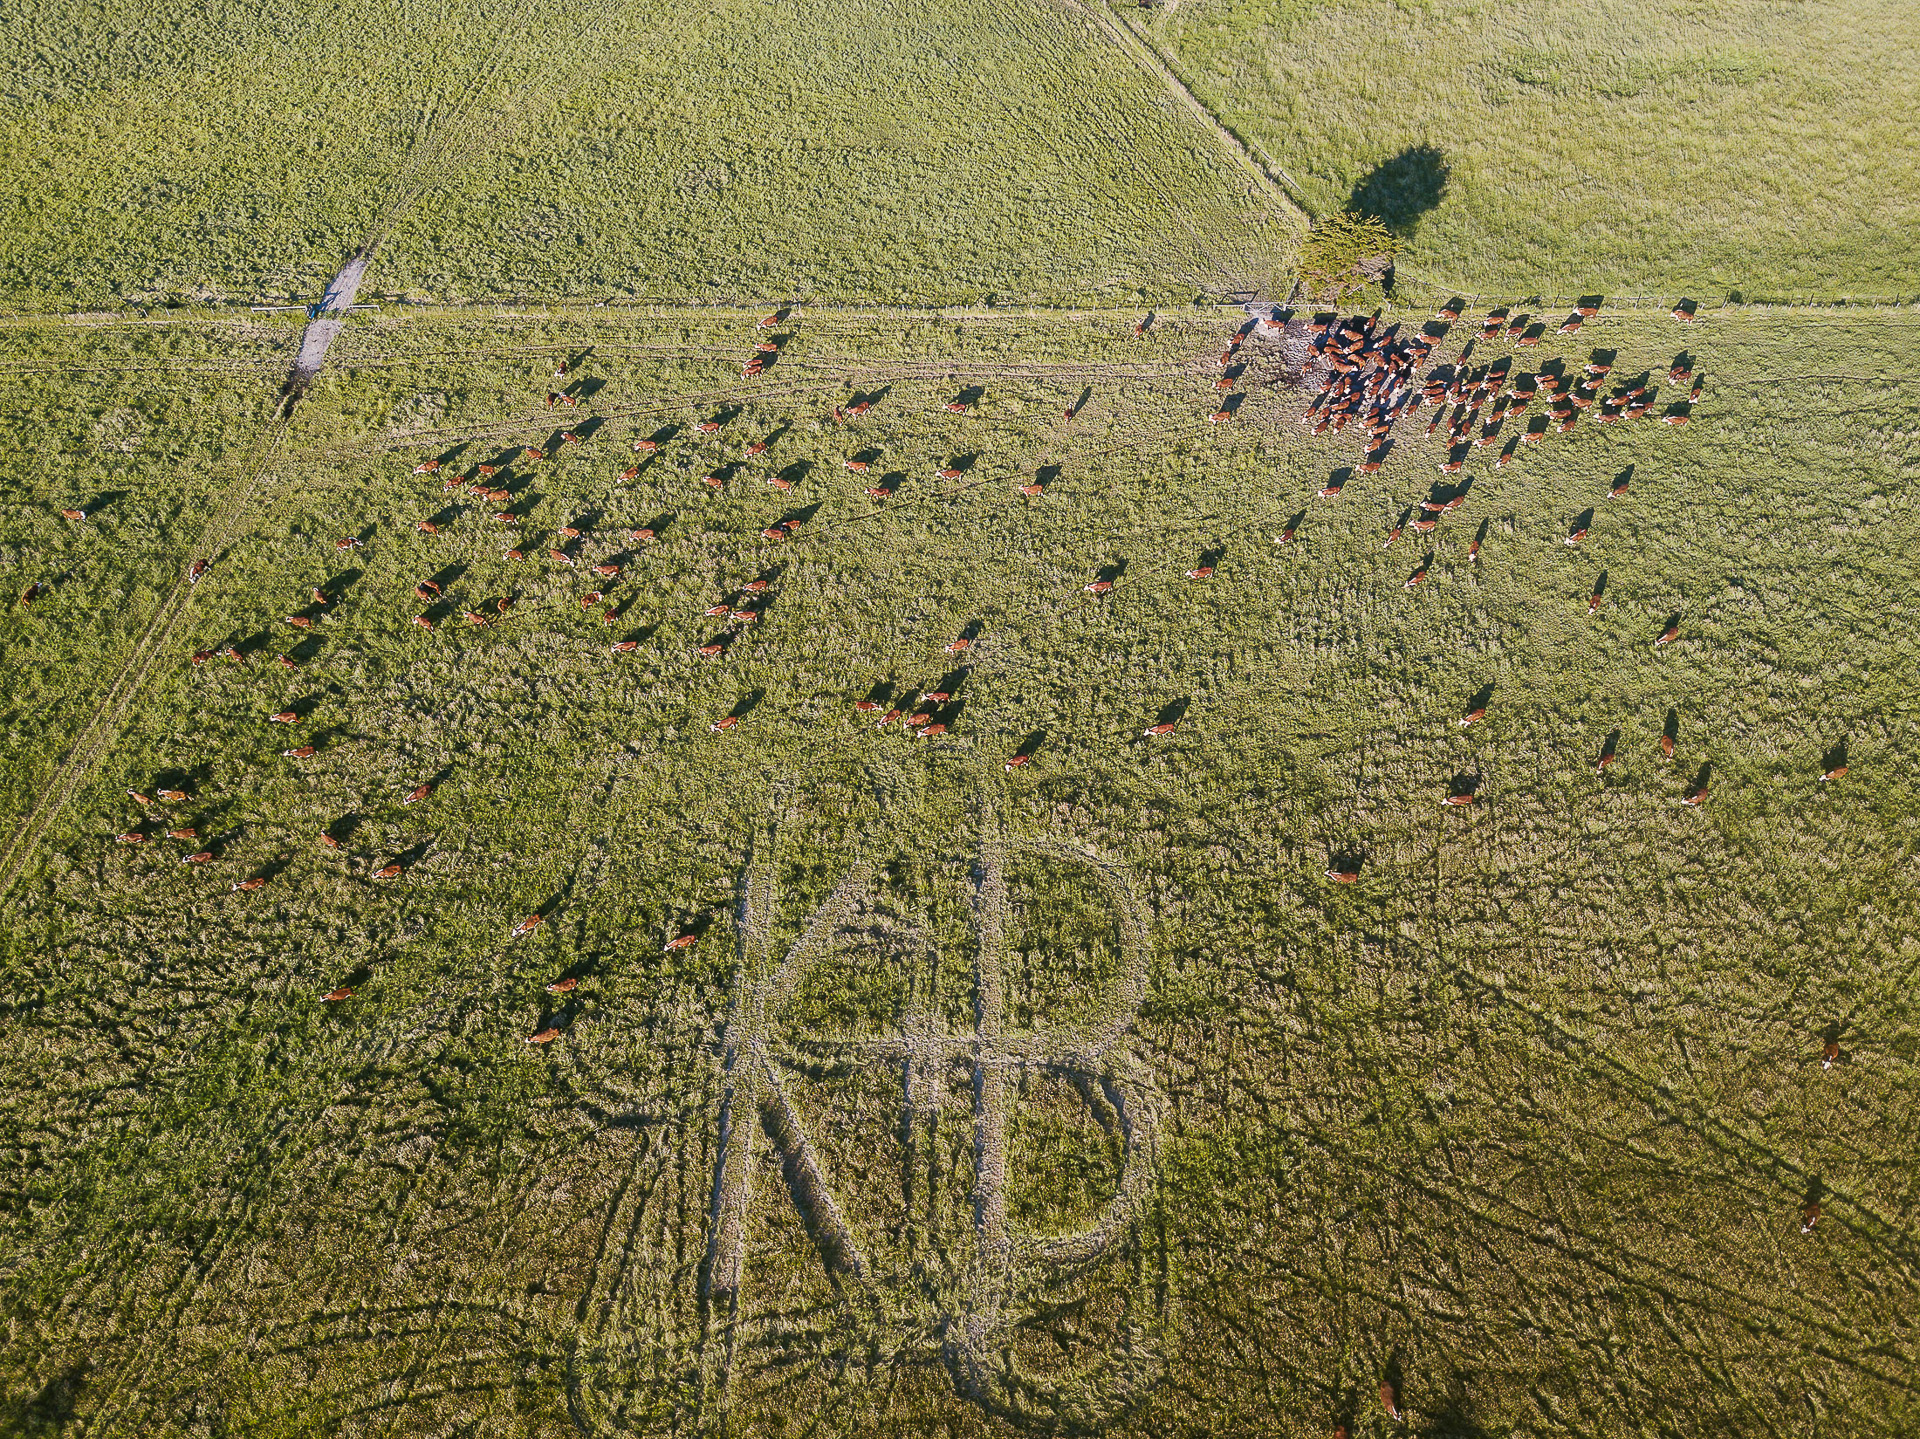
1275, 183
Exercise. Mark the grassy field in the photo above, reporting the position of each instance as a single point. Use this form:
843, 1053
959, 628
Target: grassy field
168, 154
1755, 147
1524, 1118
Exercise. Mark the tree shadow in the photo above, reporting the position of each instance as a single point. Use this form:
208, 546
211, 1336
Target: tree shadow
1399, 191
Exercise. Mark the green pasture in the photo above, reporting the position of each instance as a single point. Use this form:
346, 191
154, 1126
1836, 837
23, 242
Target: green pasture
159, 155
1758, 147
1524, 1118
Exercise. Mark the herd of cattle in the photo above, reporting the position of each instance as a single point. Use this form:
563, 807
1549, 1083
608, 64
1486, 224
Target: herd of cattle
1361, 375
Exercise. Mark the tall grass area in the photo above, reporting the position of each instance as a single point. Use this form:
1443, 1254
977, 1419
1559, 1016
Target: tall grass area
159, 155
1756, 146
1525, 1116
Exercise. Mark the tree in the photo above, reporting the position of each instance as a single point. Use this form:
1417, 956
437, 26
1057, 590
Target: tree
1344, 253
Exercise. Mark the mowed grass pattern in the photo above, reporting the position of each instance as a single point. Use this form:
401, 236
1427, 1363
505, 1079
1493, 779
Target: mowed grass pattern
740, 152
1525, 1116
1752, 147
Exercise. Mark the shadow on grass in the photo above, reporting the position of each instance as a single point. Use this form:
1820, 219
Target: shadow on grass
1401, 190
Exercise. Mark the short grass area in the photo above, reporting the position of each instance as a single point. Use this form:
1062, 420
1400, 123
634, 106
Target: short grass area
165, 155
1524, 1118
1755, 146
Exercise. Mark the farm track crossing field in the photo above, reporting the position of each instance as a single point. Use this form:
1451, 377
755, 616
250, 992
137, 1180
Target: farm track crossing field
737, 151
982, 1100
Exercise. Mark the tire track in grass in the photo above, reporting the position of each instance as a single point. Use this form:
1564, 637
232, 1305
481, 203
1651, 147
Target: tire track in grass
135, 670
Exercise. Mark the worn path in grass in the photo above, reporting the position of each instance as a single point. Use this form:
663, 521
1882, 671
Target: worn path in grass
227, 523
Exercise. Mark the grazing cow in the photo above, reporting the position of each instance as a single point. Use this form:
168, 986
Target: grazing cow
561, 557
233, 654
1682, 312
724, 724
419, 793
336, 995
859, 467
568, 532
426, 527
711, 649
305, 751
1205, 572
1344, 876
184, 832
1830, 1054
915, 721
963, 643
1220, 417
563, 986
1458, 801
426, 467
534, 455
300, 622
284, 717
351, 542
1392, 535
1390, 1397
626, 647
1810, 1212
194, 571
139, 798
1414, 579
1569, 325
1678, 418
472, 618
1696, 796
392, 871
545, 1036
1680, 373
1594, 601
132, 836
1833, 774
426, 590
780, 483
888, 718
954, 407
685, 941
1619, 487
1473, 716
527, 926
1097, 587
1669, 634
511, 555
767, 322
640, 536
423, 621
1019, 761
607, 571
947, 474
713, 482
645, 447
865, 706
328, 840
1574, 536
205, 856
200, 657
173, 796
708, 427
1166, 727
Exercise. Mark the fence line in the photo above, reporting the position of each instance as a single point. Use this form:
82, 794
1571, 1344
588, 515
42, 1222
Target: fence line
1406, 293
